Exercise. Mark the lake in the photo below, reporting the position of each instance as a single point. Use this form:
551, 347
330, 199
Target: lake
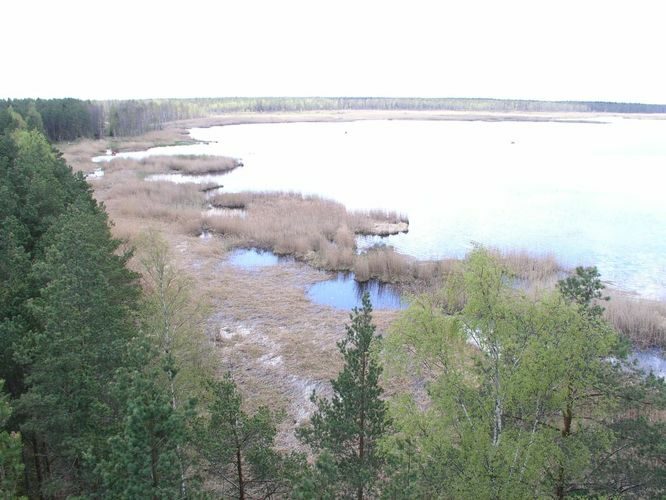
587, 193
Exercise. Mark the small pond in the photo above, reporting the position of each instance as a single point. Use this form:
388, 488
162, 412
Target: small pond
252, 258
344, 292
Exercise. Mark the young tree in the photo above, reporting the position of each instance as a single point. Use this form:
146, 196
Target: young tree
515, 413
350, 425
583, 288
173, 323
238, 448
172, 320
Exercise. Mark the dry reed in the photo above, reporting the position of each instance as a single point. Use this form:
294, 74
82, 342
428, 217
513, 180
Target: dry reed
318, 231
642, 321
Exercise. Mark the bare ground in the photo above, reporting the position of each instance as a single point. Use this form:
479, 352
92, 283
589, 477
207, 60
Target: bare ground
279, 345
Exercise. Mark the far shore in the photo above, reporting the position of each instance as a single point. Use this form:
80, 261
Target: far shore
177, 132
356, 115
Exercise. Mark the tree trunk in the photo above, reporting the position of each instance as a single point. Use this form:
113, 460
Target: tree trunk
497, 420
361, 440
153, 469
38, 467
566, 432
241, 484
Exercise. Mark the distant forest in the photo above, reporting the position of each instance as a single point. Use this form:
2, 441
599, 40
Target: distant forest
69, 119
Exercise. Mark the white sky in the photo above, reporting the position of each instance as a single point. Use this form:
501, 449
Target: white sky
558, 49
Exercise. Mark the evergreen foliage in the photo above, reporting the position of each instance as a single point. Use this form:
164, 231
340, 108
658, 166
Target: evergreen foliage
349, 425
584, 287
144, 460
84, 319
237, 448
11, 466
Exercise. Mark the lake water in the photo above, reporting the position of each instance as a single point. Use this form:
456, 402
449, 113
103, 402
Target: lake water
588, 193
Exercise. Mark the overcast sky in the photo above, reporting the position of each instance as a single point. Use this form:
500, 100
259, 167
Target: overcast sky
560, 50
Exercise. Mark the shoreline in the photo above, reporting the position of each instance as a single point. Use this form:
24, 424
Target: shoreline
176, 133
331, 260
426, 115
261, 324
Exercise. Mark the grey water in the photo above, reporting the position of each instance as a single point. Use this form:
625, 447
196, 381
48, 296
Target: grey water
586, 193
650, 361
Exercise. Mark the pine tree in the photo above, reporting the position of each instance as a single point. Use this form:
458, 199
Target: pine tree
144, 460
349, 426
84, 326
238, 448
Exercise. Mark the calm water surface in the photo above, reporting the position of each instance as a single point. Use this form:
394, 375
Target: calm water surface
588, 193
344, 292
252, 258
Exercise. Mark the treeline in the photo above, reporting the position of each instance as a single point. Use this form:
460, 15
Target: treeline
125, 118
268, 104
70, 119
59, 119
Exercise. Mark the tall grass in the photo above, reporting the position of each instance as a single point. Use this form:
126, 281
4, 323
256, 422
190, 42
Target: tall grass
529, 267
319, 231
642, 321
190, 164
323, 233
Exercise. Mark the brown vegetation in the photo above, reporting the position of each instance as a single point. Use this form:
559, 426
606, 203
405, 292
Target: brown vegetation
320, 232
642, 321
189, 164
279, 344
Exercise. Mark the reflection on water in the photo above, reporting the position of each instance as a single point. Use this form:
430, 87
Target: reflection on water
367, 242
253, 258
344, 292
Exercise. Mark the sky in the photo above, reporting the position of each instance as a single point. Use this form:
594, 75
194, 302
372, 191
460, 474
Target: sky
549, 50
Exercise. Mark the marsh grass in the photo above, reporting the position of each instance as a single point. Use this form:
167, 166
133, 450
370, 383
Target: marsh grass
188, 164
642, 321
317, 231
78, 154
534, 269
262, 317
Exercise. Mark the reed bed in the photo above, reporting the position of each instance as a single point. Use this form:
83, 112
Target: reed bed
190, 164
526, 266
642, 321
320, 232
183, 164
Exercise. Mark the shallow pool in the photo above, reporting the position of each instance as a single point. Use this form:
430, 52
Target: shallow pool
344, 292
